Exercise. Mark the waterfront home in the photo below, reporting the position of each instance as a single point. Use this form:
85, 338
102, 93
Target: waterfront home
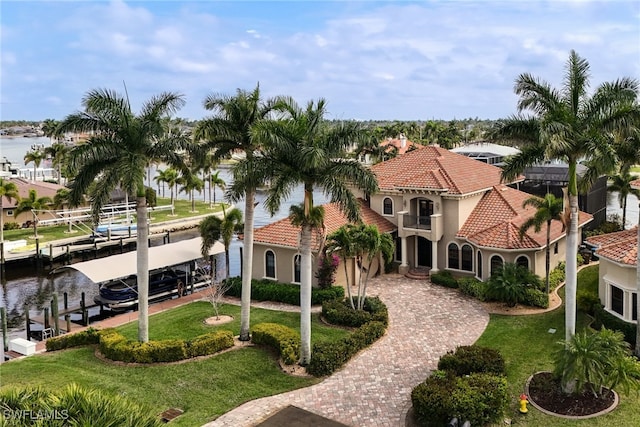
617, 273
276, 253
454, 213
42, 189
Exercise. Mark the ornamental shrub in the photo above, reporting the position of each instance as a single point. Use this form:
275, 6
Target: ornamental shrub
473, 287
480, 398
602, 318
444, 278
587, 302
326, 273
470, 359
431, 399
340, 312
86, 337
210, 343
509, 283
535, 298
288, 293
283, 339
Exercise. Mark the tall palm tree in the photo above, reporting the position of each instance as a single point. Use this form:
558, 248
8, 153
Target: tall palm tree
191, 183
622, 184
341, 242
35, 156
569, 125
9, 190
229, 131
216, 181
304, 149
212, 228
548, 209
58, 153
33, 203
49, 128
117, 154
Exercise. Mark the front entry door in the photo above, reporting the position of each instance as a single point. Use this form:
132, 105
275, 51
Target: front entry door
424, 252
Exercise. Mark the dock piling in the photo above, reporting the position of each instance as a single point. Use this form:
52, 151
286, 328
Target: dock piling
46, 318
5, 338
55, 314
27, 321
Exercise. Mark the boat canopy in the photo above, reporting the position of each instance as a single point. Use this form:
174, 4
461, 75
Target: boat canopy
124, 265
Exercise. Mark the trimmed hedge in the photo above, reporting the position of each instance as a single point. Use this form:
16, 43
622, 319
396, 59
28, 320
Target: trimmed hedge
473, 287
472, 359
469, 384
340, 312
114, 346
535, 298
326, 357
86, 337
444, 278
282, 338
268, 290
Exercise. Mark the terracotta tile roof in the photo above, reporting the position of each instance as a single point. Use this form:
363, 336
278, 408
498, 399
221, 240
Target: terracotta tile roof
636, 184
497, 218
436, 168
397, 142
42, 189
283, 233
621, 246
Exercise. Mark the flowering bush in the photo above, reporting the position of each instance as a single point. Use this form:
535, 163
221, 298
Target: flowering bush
327, 266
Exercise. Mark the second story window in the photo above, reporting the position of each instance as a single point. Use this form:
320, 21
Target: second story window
387, 206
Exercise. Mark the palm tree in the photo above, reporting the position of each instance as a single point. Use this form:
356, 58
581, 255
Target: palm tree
190, 183
35, 156
568, 125
117, 154
33, 203
227, 132
341, 243
58, 153
622, 184
216, 181
9, 190
170, 177
548, 209
49, 128
304, 149
213, 228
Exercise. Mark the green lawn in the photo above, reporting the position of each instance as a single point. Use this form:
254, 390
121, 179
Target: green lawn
527, 346
205, 389
182, 210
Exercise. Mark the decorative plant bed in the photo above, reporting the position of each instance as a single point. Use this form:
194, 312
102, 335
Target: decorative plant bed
545, 393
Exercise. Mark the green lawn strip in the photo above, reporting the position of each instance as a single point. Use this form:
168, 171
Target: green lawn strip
204, 389
57, 232
188, 322
527, 346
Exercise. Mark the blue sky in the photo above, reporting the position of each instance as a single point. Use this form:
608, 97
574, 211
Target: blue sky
370, 59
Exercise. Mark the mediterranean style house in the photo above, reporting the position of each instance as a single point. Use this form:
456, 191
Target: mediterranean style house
618, 273
276, 255
454, 213
446, 211
42, 189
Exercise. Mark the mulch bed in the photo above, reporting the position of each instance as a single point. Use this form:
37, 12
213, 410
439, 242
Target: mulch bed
547, 393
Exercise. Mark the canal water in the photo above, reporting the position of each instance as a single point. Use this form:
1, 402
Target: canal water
25, 285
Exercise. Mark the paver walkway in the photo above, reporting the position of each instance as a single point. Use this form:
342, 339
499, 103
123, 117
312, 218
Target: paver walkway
374, 388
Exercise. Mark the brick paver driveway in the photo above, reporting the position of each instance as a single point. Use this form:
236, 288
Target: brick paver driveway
374, 388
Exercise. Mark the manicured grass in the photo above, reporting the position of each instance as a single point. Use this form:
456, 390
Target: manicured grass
528, 347
188, 322
182, 210
205, 389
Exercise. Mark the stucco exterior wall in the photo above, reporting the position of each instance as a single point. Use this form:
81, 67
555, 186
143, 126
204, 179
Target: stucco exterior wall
621, 276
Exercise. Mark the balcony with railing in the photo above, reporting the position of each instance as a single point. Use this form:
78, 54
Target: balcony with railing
416, 222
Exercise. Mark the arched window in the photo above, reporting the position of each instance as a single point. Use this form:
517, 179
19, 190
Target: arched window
270, 264
496, 263
296, 268
467, 258
387, 206
479, 265
454, 256
522, 261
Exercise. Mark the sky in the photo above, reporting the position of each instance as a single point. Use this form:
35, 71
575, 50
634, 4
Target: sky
370, 60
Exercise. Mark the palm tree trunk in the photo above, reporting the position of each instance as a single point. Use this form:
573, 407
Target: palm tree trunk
1, 220
142, 262
547, 258
247, 265
210, 203
624, 213
305, 295
346, 275
638, 284
227, 259
571, 268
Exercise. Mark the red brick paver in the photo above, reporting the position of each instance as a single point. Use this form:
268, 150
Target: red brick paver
374, 388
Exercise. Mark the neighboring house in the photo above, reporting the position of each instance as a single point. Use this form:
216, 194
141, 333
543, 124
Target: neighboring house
617, 276
452, 213
400, 145
541, 179
42, 189
276, 253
